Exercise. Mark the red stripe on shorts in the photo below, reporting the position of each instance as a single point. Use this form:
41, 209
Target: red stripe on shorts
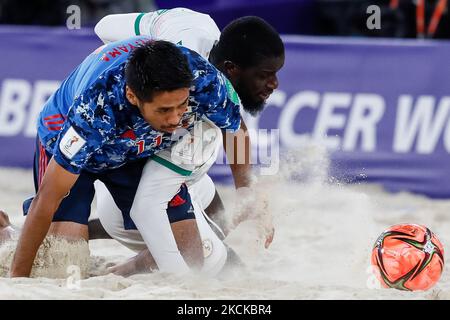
54, 122
54, 128
42, 163
53, 117
41, 167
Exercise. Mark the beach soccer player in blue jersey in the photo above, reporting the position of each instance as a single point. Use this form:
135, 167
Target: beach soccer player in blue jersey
252, 71
248, 51
119, 107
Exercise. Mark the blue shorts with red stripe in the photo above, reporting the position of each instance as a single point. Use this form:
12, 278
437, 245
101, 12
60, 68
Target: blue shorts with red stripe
122, 183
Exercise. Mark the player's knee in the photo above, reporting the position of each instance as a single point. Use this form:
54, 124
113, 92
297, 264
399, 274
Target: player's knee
215, 256
189, 242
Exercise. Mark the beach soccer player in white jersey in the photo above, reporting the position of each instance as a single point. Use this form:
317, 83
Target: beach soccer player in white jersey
248, 51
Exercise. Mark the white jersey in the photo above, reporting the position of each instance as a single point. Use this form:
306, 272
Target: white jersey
191, 29
185, 162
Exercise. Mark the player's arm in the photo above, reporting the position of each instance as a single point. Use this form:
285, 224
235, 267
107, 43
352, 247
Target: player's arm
77, 141
116, 27
237, 147
143, 262
56, 183
157, 187
225, 114
238, 150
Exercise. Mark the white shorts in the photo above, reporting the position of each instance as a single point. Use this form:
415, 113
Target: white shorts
158, 186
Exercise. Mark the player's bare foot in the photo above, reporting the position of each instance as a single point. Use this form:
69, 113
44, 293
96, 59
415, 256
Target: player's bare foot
125, 269
6, 230
4, 220
269, 237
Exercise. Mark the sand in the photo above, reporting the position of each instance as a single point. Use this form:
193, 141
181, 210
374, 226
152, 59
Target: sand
321, 250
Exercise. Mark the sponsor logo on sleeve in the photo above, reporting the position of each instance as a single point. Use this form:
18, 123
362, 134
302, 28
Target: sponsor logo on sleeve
232, 94
71, 143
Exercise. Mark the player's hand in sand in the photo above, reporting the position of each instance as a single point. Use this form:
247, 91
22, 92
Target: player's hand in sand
6, 228
141, 263
4, 220
252, 205
269, 237
125, 269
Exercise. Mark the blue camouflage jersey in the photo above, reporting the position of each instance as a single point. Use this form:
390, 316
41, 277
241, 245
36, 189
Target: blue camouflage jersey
88, 124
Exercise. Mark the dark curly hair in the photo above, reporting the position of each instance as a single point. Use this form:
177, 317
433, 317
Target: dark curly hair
157, 66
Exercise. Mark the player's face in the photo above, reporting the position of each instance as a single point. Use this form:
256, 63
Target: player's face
256, 84
165, 110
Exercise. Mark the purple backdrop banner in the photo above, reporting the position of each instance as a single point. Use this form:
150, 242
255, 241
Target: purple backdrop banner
381, 107
34, 61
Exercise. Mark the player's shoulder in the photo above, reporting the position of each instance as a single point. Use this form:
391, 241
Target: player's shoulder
95, 109
103, 61
192, 56
119, 49
180, 12
196, 61
201, 68
210, 84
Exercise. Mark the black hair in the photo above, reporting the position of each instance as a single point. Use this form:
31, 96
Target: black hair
246, 41
157, 66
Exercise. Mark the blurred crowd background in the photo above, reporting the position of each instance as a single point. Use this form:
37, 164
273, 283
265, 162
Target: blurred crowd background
400, 18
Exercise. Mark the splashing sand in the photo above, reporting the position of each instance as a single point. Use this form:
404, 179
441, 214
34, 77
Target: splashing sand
324, 234
56, 258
